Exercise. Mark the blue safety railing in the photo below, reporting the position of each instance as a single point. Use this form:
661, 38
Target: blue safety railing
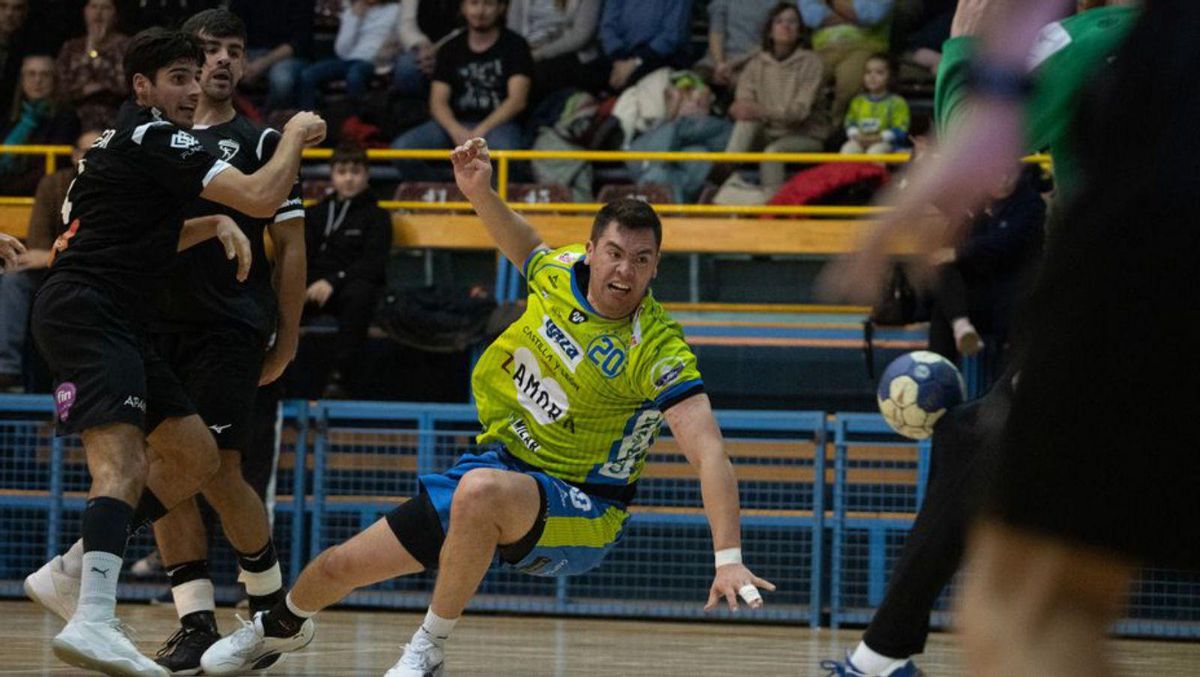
827, 503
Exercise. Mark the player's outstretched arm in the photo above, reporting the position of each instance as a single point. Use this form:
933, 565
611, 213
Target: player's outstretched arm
514, 236
233, 240
10, 248
260, 193
695, 429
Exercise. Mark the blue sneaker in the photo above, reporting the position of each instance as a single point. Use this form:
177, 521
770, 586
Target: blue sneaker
845, 668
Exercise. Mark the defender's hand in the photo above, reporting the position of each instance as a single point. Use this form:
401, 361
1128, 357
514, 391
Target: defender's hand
733, 580
472, 167
310, 126
236, 244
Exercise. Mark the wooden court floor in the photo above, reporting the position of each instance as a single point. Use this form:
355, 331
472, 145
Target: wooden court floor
367, 643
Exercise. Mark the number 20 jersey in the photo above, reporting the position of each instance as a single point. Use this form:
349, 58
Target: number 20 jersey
574, 393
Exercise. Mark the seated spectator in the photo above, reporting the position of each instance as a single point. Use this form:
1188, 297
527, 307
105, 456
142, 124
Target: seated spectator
35, 118
424, 26
480, 87
348, 238
278, 44
735, 30
685, 125
13, 46
91, 70
776, 95
17, 286
562, 38
641, 36
877, 121
845, 34
924, 44
364, 43
975, 285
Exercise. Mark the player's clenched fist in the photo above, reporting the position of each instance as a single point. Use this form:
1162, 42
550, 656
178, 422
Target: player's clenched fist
310, 126
472, 167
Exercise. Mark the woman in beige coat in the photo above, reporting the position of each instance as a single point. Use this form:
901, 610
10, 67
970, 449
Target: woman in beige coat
776, 95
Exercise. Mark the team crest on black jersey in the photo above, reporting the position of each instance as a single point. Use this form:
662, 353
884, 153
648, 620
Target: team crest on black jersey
229, 148
577, 317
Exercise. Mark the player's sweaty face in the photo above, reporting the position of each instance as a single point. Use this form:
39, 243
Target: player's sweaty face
623, 262
175, 91
224, 64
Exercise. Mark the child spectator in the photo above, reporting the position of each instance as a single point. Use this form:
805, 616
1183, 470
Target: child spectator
91, 70
348, 238
845, 35
365, 41
776, 95
877, 120
480, 86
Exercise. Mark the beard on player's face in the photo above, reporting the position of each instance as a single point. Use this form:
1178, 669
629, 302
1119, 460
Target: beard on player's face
224, 65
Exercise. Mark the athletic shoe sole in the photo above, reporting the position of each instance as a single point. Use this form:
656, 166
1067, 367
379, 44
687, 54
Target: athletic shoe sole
68, 654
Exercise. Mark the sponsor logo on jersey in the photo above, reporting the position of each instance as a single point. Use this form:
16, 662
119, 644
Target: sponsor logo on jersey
229, 148
553, 280
135, 402
562, 342
666, 371
521, 430
568, 257
542, 397
183, 141
634, 446
637, 328
64, 399
577, 317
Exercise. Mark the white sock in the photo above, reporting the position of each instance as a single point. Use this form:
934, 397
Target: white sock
872, 663
297, 610
262, 583
72, 560
194, 596
98, 586
437, 628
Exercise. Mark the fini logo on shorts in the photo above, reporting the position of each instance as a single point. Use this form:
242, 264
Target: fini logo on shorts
564, 345
64, 399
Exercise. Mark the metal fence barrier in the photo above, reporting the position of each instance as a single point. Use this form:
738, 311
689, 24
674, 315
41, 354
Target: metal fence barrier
827, 501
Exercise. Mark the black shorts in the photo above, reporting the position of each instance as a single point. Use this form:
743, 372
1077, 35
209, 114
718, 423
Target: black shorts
219, 368
104, 368
1101, 447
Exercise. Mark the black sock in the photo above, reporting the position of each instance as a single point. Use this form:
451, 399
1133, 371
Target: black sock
186, 572
105, 525
257, 563
200, 620
279, 621
149, 510
265, 602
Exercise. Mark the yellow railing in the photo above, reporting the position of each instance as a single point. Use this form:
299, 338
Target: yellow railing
504, 157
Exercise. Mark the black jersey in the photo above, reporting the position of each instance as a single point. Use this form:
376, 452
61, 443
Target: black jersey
202, 289
126, 207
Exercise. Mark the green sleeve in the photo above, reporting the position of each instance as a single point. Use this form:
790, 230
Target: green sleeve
950, 90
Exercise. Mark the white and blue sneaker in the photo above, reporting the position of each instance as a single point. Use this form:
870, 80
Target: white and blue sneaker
422, 658
845, 668
249, 648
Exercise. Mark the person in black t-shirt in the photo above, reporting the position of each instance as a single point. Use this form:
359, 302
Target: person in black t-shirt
348, 238
480, 86
125, 220
214, 331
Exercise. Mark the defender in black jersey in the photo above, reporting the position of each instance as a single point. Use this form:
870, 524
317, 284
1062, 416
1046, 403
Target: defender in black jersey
125, 219
214, 333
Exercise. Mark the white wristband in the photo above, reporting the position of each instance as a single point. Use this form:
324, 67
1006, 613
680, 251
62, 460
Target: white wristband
728, 556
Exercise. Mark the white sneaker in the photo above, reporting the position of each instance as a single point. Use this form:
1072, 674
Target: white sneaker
52, 588
422, 658
105, 647
248, 647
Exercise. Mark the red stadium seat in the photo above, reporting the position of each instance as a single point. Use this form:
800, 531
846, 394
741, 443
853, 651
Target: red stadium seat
654, 193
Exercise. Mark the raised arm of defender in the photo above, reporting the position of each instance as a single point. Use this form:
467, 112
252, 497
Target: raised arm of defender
260, 193
473, 174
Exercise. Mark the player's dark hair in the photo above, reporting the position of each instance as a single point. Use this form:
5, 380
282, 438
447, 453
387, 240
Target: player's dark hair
216, 23
629, 213
156, 48
349, 152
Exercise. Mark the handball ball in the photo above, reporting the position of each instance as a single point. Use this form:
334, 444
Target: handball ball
916, 390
